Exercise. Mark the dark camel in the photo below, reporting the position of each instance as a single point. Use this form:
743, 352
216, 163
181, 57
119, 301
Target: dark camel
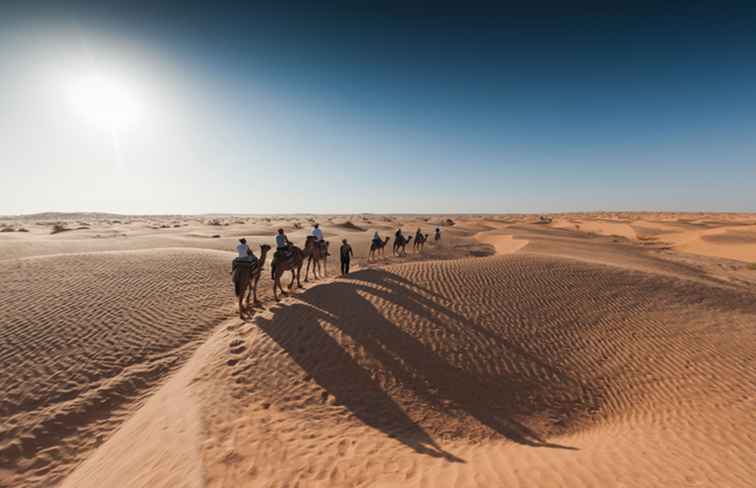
292, 263
401, 242
245, 279
419, 243
376, 247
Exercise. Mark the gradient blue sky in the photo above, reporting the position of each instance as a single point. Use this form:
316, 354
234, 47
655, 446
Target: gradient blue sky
283, 107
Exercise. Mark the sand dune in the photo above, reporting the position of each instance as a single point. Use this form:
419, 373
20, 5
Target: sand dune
572, 358
450, 373
84, 334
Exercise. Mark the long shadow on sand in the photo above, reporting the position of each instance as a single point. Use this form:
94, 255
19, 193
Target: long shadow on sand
492, 401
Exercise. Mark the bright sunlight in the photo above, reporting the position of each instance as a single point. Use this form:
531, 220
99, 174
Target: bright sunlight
106, 102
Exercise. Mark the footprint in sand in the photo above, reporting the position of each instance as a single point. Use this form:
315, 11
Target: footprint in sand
237, 346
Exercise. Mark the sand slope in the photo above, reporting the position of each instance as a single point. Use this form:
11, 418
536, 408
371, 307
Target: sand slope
83, 335
522, 369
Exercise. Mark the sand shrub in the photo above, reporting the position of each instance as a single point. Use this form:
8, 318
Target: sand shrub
22, 229
348, 225
7, 229
58, 228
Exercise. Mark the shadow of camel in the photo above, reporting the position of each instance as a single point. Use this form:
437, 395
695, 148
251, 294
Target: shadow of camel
339, 375
406, 363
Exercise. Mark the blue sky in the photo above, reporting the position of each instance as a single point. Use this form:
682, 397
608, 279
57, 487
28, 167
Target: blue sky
281, 107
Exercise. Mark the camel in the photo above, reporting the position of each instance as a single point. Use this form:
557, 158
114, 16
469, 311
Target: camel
245, 279
420, 242
376, 247
401, 242
315, 253
293, 263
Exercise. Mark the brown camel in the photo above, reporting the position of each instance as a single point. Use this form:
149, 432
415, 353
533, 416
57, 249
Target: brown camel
419, 243
376, 247
401, 243
292, 263
315, 253
245, 279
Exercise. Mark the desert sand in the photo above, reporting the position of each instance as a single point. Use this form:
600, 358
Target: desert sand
602, 349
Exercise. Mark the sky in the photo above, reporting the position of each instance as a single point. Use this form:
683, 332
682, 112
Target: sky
349, 107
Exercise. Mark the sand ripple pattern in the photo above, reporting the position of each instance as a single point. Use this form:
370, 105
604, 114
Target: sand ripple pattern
83, 335
520, 348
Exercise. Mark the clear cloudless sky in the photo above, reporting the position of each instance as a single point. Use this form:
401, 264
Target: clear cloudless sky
277, 107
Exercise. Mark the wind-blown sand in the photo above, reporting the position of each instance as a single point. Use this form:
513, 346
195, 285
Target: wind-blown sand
570, 358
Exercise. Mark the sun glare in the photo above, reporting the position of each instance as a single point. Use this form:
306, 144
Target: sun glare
106, 102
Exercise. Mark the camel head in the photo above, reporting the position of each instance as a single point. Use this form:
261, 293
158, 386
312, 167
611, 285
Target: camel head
264, 248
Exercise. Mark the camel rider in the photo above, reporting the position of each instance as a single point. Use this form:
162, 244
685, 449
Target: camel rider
245, 254
282, 242
438, 234
418, 235
398, 238
377, 239
317, 233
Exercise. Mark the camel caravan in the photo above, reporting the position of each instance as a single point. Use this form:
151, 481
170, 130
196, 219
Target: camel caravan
247, 268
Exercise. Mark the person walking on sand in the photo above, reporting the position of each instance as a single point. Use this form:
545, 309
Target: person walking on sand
346, 255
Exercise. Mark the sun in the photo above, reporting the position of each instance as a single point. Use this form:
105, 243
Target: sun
107, 102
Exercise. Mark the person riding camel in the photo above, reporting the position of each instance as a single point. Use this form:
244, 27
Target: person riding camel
418, 235
317, 233
282, 242
398, 237
283, 248
438, 234
245, 254
377, 241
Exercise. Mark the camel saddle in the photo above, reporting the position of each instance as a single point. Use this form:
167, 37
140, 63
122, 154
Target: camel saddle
250, 263
282, 255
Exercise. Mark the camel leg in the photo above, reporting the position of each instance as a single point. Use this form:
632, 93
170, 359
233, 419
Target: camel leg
277, 284
254, 288
293, 276
299, 273
307, 268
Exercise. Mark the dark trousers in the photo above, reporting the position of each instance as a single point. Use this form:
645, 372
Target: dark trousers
344, 265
